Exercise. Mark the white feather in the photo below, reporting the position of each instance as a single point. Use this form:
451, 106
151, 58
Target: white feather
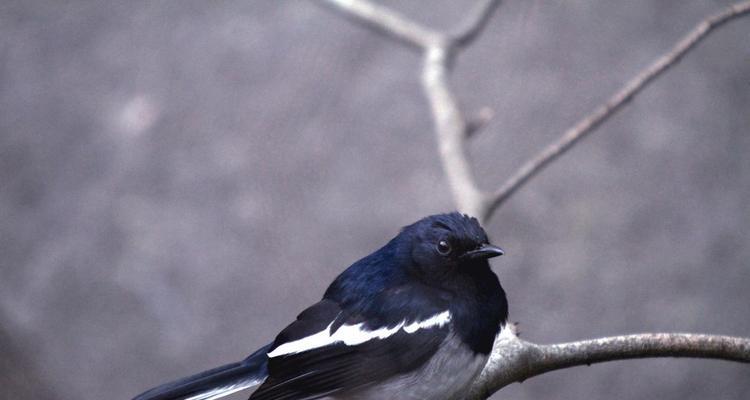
352, 335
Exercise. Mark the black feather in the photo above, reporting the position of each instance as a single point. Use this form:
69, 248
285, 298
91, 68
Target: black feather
254, 367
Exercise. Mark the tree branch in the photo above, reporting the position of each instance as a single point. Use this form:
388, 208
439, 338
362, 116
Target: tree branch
515, 360
439, 51
451, 130
450, 125
603, 112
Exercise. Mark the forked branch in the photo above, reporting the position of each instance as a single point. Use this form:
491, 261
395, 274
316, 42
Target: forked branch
451, 127
386, 21
439, 50
512, 359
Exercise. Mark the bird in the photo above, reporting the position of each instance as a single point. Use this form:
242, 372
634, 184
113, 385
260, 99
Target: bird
416, 319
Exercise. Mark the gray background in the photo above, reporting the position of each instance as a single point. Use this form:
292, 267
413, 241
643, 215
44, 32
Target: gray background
179, 178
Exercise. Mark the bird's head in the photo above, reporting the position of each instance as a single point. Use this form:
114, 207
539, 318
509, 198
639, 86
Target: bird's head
444, 243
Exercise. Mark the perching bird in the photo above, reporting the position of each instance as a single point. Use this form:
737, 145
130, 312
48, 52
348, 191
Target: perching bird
416, 319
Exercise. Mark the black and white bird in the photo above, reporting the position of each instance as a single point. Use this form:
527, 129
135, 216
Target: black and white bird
416, 319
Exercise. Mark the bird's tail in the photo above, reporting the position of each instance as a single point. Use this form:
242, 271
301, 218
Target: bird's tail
214, 383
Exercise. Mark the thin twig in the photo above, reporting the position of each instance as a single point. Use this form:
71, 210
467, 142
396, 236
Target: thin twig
474, 22
515, 360
386, 21
603, 112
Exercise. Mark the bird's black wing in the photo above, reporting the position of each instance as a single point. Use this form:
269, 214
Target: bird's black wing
308, 361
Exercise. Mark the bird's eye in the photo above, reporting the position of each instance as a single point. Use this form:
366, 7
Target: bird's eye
443, 247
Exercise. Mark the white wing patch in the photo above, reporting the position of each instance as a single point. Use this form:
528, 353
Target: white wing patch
352, 335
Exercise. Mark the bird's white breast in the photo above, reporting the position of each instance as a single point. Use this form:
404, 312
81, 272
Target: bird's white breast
446, 376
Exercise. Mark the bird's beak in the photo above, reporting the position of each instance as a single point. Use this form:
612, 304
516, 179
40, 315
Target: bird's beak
484, 252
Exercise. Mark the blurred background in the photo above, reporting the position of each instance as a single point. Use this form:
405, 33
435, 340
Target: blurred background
179, 178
